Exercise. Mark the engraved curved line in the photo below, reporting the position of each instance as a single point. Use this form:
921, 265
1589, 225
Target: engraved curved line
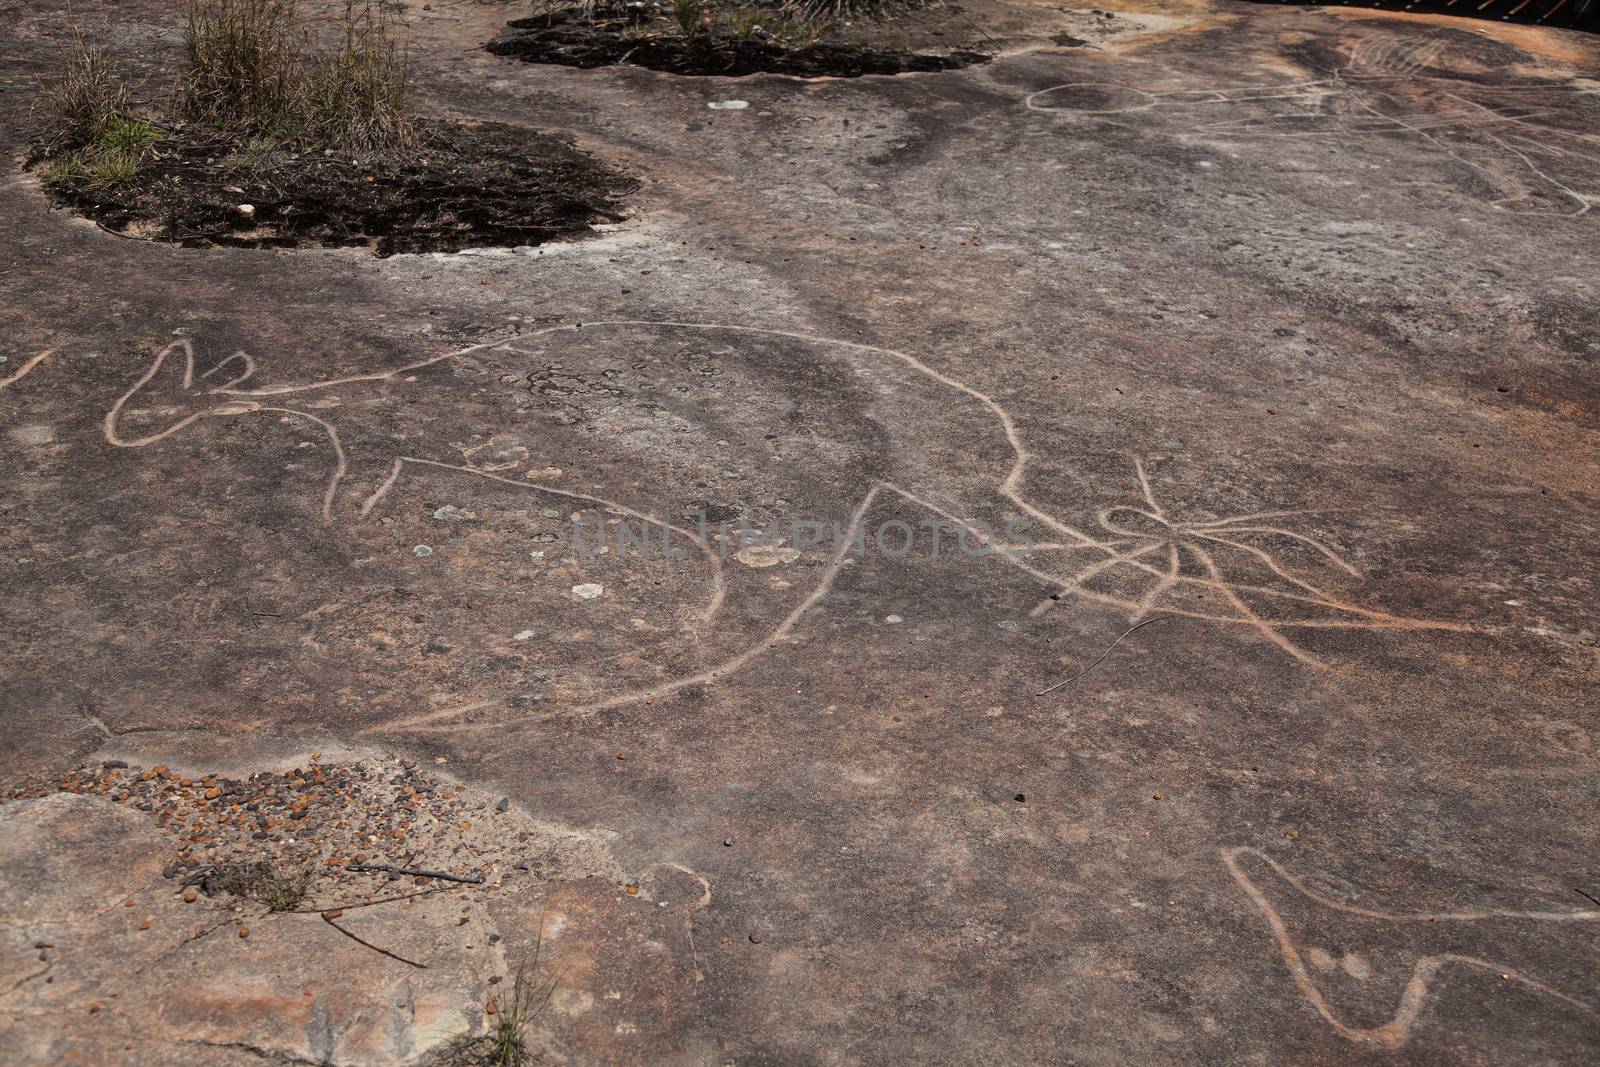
426, 724
1333, 557
699, 904
249, 369
1206, 524
383, 489
1260, 624
112, 415
1174, 565
340, 461
1272, 564
1283, 624
1150, 497
21, 371
376, 376
1396, 1032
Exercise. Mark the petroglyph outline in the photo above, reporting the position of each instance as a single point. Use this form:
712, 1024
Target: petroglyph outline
1394, 1033
235, 400
1342, 81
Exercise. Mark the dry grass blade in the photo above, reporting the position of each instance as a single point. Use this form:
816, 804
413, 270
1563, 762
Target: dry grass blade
86, 99
816, 11
243, 62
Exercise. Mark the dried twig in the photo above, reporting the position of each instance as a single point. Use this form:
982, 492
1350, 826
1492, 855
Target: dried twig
416, 872
368, 903
117, 233
369, 944
1103, 655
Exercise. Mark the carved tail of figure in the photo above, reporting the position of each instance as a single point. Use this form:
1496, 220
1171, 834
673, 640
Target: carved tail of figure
1370, 972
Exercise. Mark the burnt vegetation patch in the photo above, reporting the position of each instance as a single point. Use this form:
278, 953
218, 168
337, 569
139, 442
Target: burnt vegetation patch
284, 131
460, 186
707, 38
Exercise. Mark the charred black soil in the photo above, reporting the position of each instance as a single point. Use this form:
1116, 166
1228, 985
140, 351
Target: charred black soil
568, 40
460, 186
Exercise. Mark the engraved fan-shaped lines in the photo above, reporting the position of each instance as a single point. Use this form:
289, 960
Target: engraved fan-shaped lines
1247, 570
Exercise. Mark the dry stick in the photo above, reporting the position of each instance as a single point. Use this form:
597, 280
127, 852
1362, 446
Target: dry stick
369, 944
115, 233
369, 903
1103, 655
415, 872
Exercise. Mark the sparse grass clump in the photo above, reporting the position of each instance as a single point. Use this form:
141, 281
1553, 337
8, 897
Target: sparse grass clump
506, 1043
357, 92
86, 99
689, 16
822, 11
259, 68
260, 881
86, 111
243, 62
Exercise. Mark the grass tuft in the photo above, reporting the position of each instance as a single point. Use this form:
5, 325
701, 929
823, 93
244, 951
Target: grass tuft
133, 136
689, 16
242, 62
824, 11
506, 1044
356, 95
86, 98
111, 168
85, 115
261, 68
261, 881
